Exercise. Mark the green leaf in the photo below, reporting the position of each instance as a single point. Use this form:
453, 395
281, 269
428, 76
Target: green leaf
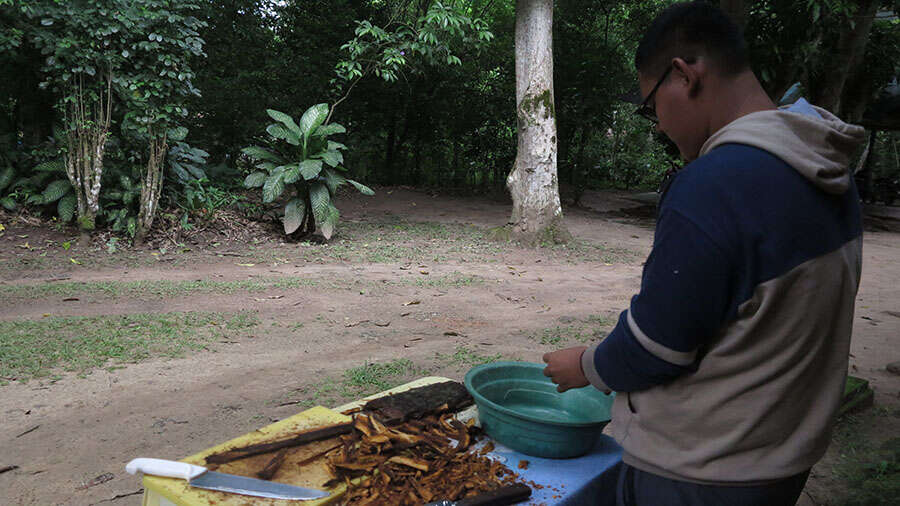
332, 158
56, 190
6, 177
328, 225
177, 134
286, 119
280, 132
310, 168
266, 166
319, 199
131, 226
334, 146
365, 190
51, 166
273, 187
294, 212
262, 154
312, 118
291, 173
8, 203
333, 180
66, 208
180, 171
329, 129
255, 180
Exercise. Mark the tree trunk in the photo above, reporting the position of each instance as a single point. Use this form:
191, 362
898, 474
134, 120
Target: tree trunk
151, 187
737, 10
87, 123
850, 49
537, 213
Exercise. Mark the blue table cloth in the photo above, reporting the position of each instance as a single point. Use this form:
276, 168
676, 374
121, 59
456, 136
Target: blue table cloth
586, 480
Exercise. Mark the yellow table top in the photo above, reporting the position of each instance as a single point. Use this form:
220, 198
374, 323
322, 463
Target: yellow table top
180, 493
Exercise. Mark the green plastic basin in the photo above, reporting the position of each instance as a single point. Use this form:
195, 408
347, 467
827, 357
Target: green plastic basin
519, 407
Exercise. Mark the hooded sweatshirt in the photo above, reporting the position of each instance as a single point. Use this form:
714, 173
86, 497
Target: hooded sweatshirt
730, 362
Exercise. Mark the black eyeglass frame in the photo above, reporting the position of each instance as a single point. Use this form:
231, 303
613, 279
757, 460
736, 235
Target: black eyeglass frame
644, 110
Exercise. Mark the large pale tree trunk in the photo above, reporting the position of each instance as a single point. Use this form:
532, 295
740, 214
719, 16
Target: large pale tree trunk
851, 48
537, 213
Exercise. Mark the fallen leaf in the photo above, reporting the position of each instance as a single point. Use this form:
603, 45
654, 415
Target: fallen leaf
379, 324
356, 323
423, 272
103, 478
76, 262
23, 236
454, 333
246, 265
412, 302
2, 228
406, 313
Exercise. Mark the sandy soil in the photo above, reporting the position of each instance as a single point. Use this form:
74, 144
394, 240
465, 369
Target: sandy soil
62, 433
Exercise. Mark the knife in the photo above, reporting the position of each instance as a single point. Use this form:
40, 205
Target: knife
502, 496
200, 477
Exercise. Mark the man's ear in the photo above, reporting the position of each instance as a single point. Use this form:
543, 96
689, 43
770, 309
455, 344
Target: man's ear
690, 73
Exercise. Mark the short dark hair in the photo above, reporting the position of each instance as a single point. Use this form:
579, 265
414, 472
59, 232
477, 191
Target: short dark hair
692, 29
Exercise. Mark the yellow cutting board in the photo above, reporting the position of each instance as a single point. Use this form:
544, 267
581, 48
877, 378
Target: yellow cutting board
160, 491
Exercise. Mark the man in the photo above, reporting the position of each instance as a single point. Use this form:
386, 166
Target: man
729, 365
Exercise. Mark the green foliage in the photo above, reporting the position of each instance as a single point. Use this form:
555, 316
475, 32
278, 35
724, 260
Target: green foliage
386, 51
200, 198
301, 156
186, 163
121, 197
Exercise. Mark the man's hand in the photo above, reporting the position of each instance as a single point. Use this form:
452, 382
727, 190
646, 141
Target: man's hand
564, 368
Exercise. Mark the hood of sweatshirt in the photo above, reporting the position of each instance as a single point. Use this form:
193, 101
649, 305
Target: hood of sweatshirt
818, 146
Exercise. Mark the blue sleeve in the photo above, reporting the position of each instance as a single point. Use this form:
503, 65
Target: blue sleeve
683, 302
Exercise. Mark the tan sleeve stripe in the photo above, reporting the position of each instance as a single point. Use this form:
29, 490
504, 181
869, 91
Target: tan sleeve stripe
590, 369
682, 358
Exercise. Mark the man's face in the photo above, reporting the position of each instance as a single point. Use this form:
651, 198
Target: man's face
679, 111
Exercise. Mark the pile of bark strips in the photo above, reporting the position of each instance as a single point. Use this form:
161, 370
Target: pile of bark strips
403, 449
421, 460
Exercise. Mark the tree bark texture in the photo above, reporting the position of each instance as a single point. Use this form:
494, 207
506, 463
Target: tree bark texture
851, 48
87, 122
151, 186
533, 182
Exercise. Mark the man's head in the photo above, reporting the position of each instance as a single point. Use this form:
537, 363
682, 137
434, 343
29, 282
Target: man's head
689, 62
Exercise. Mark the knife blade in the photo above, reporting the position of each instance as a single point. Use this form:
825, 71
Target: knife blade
502, 496
201, 477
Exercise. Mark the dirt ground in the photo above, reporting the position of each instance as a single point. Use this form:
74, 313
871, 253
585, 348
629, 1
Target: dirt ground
66, 430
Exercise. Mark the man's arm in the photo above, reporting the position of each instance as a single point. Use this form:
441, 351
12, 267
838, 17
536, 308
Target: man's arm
685, 296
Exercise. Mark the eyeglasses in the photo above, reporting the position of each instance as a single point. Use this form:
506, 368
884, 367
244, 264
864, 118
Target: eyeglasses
647, 111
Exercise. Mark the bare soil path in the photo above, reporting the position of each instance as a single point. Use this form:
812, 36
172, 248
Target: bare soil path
437, 300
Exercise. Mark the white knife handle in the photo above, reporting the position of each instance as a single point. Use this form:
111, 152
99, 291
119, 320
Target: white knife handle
168, 468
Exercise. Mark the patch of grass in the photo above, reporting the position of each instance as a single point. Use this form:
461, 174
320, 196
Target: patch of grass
455, 279
871, 471
375, 377
592, 328
356, 382
466, 357
37, 348
149, 288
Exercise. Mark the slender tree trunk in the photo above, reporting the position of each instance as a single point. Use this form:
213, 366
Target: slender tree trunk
151, 187
87, 122
537, 213
851, 48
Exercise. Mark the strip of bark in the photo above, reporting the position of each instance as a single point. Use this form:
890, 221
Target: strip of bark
301, 438
272, 467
